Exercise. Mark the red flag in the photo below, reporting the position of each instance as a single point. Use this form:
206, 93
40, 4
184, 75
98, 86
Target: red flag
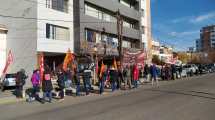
8, 62
97, 67
41, 62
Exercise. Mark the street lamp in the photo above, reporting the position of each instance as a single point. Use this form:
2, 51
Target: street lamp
95, 62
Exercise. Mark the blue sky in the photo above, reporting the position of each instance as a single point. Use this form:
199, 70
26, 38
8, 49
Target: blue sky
178, 22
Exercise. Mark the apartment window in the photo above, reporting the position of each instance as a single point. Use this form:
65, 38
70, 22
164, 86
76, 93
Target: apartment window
129, 3
142, 12
57, 32
93, 36
126, 44
98, 13
60, 5
128, 24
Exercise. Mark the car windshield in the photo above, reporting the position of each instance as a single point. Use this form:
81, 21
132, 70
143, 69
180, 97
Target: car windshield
10, 75
187, 66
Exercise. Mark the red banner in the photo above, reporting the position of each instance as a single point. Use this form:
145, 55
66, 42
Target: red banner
41, 62
134, 57
8, 62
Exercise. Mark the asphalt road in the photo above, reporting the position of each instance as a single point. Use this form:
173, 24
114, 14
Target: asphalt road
192, 99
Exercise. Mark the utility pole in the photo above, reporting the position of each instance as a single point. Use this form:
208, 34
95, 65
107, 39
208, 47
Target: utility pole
119, 32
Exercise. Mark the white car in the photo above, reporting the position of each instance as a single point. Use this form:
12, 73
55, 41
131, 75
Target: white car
191, 69
9, 81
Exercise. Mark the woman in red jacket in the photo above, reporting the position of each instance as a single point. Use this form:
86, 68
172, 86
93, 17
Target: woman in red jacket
135, 75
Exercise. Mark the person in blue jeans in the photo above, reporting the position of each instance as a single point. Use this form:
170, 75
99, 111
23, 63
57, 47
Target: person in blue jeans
86, 78
102, 80
113, 78
47, 85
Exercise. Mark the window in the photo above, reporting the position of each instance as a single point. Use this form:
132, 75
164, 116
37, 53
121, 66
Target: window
60, 5
128, 24
98, 13
142, 12
93, 36
57, 32
126, 44
129, 3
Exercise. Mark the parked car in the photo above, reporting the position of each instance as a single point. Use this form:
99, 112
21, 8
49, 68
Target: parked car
191, 69
9, 81
210, 68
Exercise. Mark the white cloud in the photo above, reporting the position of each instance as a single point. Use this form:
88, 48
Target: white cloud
182, 34
195, 19
202, 18
178, 20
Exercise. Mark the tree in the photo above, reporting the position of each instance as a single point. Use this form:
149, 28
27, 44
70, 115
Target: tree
156, 60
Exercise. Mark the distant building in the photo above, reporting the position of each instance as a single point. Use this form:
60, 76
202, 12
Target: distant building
166, 53
198, 45
207, 37
155, 48
206, 44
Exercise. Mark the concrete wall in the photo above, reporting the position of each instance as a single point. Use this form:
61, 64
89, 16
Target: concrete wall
57, 18
21, 36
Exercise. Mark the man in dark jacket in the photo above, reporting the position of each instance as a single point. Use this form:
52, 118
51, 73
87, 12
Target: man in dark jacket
146, 72
61, 83
47, 85
86, 78
113, 78
20, 82
173, 71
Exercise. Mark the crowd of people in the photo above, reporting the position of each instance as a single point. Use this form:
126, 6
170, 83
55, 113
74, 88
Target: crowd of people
80, 78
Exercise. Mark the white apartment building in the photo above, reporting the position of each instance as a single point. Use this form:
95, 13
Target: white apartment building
146, 26
35, 26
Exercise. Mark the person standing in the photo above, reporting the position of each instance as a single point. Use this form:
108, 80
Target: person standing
47, 85
86, 77
68, 79
113, 78
77, 80
20, 82
173, 71
153, 71
146, 72
180, 71
135, 76
125, 76
119, 78
35, 80
102, 80
61, 83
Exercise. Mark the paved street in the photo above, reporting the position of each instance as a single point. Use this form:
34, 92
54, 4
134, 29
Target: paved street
189, 99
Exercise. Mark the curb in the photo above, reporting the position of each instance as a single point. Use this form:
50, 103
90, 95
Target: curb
10, 100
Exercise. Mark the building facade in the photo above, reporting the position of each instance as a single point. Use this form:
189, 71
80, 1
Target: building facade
207, 37
198, 45
96, 25
52, 27
206, 44
33, 27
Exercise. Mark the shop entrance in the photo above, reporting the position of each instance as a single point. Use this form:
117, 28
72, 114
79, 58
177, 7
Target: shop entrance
54, 60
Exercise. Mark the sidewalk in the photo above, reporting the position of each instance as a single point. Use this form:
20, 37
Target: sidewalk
8, 98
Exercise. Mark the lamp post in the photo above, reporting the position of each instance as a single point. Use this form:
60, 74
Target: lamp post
95, 62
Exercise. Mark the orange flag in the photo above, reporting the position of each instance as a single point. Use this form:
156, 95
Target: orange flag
115, 64
68, 58
102, 69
